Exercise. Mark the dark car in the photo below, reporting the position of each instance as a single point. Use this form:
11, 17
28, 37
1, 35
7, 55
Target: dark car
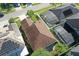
1, 15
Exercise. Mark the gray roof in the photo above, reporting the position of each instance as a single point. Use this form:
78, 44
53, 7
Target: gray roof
63, 35
8, 46
75, 16
59, 11
3, 34
49, 17
76, 49
72, 4
73, 23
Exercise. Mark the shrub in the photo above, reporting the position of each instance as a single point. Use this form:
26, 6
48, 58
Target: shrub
59, 48
15, 20
41, 52
33, 16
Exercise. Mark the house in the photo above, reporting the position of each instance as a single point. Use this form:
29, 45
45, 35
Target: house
37, 34
75, 16
58, 15
75, 51
72, 26
49, 18
63, 35
11, 33
14, 27
64, 11
10, 47
9, 44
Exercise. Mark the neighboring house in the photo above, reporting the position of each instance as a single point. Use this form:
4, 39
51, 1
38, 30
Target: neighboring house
63, 35
75, 16
72, 26
75, 51
10, 47
14, 27
11, 32
38, 34
49, 18
59, 15
64, 11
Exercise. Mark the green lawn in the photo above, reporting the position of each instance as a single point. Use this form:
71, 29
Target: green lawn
6, 10
43, 10
35, 4
46, 8
77, 5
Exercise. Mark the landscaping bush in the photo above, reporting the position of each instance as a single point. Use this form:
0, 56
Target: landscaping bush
59, 48
30, 13
23, 5
15, 20
41, 52
33, 16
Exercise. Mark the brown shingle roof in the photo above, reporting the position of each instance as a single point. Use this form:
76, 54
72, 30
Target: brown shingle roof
37, 33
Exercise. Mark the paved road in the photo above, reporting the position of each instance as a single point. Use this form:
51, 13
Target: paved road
23, 11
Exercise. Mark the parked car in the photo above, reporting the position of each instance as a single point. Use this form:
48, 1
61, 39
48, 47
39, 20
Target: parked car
1, 15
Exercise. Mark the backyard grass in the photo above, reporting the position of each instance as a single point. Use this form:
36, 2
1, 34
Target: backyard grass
6, 10
46, 9
77, 5
35, 4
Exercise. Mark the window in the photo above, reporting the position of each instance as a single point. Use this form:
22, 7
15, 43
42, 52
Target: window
67, 12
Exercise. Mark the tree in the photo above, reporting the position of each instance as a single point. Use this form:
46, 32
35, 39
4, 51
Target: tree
41, 52
15, 20
59, 48
30, 13
33, 16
